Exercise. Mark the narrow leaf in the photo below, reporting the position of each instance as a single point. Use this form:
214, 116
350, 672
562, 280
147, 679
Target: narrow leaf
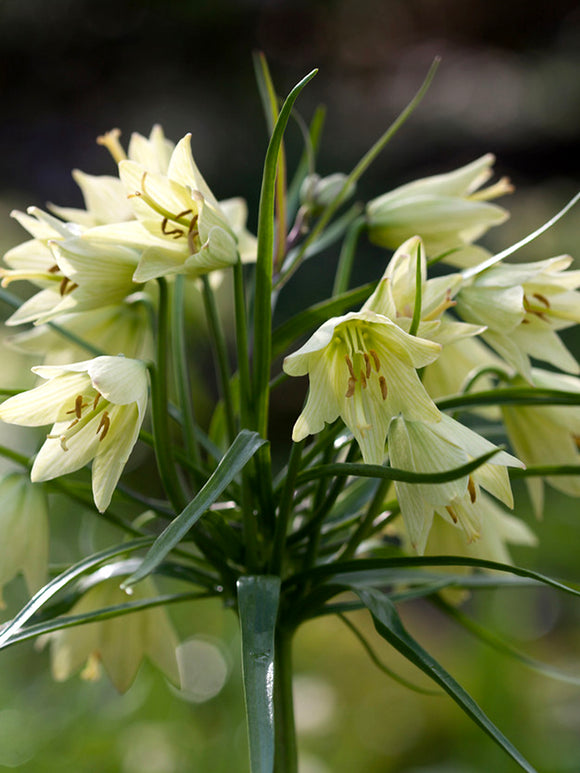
54, 586
237, 456
392, 473
258, 599
389, 626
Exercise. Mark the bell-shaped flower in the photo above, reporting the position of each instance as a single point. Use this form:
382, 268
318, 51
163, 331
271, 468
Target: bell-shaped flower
180, 227
124, 327
523, 305
97, 407
119, 644
546, 435
424, 447
23, 532
362, 367
446, 210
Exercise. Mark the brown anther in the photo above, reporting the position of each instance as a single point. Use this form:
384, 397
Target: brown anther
182, 214
367, 365
96, 400
72, 424
452, 513
542, 299
383, 386
363, 380
104, 425
529, 308
175, 232
54, 269
351, 385
79, 405
63, 285
349, 366
376, 360
471, 488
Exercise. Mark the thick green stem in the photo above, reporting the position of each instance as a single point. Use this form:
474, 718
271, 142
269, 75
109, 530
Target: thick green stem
181, 374
286, 756
221, 355
160, 404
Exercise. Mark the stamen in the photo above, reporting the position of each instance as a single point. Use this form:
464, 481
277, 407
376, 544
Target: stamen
110, 140
452, 513
62, 439
96, 400
367, 364
471, 488
542, 299
104, 425
351, 385
72, 424
383, 386
376, 360
349, 366
79, 405
363, 380
54, 269
175, 232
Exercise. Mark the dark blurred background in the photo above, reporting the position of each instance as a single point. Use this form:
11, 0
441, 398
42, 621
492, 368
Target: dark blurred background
509, 83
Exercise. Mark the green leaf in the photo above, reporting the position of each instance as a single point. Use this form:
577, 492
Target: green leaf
389, 626
54, 586
348, 570
392, 473
286, 333
106, 613
510, 396
499, 644
264, 261
240, 452
258, 599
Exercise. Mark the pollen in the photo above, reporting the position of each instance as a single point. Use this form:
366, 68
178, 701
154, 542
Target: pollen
471, 488
104, 425
384, 388
376, 360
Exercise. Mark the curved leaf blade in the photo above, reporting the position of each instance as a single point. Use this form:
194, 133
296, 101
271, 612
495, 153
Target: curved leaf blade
234, 460
390, 627
258, 599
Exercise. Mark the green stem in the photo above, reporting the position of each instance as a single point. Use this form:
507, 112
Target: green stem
281, 530
220, 354
286, 756
159, 406
347, 253
181, 374
14, 456
365, 525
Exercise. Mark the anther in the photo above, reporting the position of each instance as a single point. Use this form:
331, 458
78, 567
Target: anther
376, 360
104, 425
471, 488
367, 364
383, 386
542, 299
452, 513
175, 232
351, 385
349, 366
96, 400
363, 380
54, 269
79, 405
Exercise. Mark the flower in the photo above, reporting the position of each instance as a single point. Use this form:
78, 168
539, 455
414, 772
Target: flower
437, 447
98, 407
75, 274
522, 306
362, 368
24, 532
111, 329
180, 226
546, 435
446, 210
119, 643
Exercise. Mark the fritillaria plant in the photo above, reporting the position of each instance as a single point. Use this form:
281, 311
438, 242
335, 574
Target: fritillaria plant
381, 481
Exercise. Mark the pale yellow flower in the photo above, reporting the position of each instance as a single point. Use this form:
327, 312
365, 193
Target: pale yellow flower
98, 407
